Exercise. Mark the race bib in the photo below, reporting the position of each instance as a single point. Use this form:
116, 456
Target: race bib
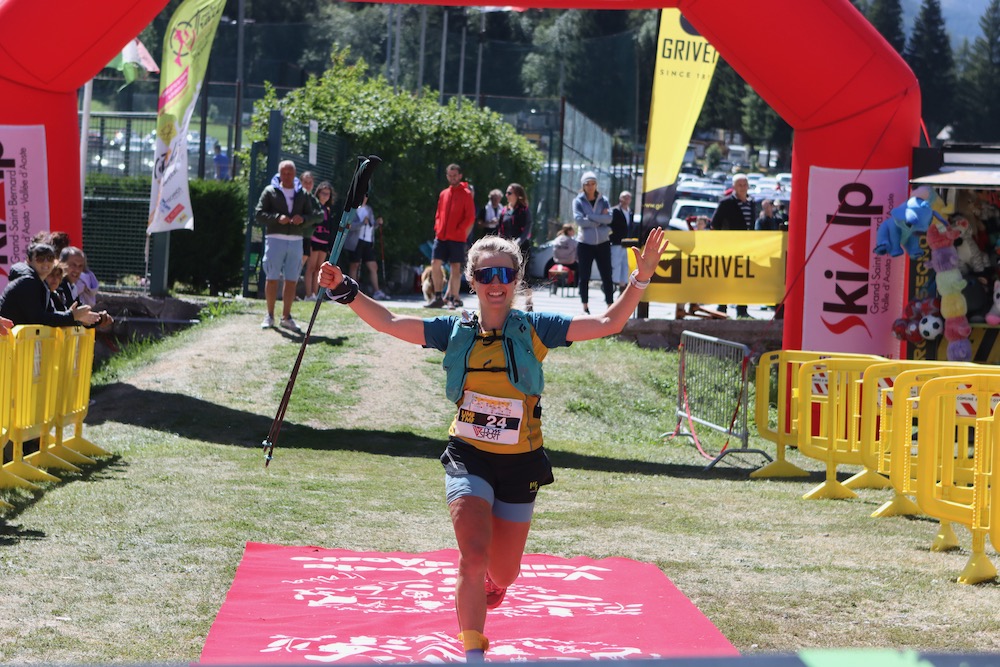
489, 418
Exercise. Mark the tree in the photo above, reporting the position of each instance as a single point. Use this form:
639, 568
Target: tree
980, 81
760, 121
929, 55
887, 17
724, 101
415, 137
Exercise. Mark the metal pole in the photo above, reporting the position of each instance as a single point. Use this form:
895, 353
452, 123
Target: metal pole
461, 61
238, 140
388, 42
444, 52
88, 95
479, 56
423, 50
395, 56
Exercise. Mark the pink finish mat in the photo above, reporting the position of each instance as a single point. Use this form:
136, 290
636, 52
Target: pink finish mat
307, 604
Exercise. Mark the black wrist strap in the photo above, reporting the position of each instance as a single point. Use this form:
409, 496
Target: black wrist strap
345, 291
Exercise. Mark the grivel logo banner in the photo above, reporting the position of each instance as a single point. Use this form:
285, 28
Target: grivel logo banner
186, 48
685, 63
24, 194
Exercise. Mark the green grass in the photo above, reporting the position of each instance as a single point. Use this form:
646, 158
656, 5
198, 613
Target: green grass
130, 560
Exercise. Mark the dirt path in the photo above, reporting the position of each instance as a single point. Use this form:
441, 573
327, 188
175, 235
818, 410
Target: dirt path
217, 364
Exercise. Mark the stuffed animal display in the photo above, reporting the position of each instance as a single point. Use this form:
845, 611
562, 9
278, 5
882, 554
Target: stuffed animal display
899, 232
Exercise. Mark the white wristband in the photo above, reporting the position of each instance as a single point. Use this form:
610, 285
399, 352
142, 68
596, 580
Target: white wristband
634, 281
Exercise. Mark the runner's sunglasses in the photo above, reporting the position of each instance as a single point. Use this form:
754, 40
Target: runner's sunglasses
485, 276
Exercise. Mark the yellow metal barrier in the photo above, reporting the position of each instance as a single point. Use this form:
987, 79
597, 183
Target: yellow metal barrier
777, 374
830, 405
877, 422
7, 479
952, 482
904, 446
76, 362
33, 401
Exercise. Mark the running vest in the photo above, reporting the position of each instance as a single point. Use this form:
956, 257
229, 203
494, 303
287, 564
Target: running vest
524, 370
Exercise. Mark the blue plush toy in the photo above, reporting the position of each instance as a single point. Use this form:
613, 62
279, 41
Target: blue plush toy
898, 233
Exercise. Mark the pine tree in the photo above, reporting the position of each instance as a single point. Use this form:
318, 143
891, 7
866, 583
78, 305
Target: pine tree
887, 17
929, 55
980, 80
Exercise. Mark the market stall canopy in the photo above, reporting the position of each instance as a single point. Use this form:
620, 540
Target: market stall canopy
973, 179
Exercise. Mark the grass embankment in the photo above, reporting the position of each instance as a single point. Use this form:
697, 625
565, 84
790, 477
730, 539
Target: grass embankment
130, 561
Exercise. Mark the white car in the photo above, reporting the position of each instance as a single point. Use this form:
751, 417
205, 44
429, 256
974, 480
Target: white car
685, 209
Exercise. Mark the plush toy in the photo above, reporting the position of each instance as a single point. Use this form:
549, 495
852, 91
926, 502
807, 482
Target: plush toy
950, 283
960, 350
908, 327
898, 232
957, 328
931, 327
993, 317
971, 256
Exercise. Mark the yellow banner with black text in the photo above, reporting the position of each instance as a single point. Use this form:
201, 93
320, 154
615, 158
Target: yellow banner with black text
720, 267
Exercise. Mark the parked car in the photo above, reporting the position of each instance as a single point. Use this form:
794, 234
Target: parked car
684, 210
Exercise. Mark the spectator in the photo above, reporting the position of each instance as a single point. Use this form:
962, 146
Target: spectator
306, 182
26, 300
489, 215
736, 212
82, 285
79, 285
321, 241
494, 460
456, 213
515, 224
54, 280
701, 223
364, 253
564, 251
221, 162
287, 215
621, 220
592, 213
768, 220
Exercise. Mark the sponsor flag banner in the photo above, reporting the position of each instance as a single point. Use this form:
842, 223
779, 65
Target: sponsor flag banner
851, 295
186, 48
24, 192
685, 63
720, 267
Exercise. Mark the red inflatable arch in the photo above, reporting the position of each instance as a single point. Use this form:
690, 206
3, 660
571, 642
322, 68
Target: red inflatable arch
855, 108
48, 50
853, 102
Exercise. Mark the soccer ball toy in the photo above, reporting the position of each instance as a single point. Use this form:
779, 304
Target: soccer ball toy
931, 327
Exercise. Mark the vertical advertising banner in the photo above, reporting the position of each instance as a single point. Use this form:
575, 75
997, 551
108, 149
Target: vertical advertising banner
851, 296
186, 48
24, 192
685, 63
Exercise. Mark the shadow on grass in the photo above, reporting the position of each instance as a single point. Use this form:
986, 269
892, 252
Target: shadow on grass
197, 419
22, 500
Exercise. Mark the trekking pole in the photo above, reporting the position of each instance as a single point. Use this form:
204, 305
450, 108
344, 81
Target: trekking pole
355, 196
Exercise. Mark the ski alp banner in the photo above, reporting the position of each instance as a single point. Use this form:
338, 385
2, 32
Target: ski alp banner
851, 296
186, 48
24, 192
720, 267
685, 63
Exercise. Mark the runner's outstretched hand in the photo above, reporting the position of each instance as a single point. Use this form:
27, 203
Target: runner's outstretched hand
647, 259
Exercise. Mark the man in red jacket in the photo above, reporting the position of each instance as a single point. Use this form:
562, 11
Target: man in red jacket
456, 213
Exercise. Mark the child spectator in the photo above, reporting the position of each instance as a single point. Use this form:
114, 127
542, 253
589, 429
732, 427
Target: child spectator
54, 280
